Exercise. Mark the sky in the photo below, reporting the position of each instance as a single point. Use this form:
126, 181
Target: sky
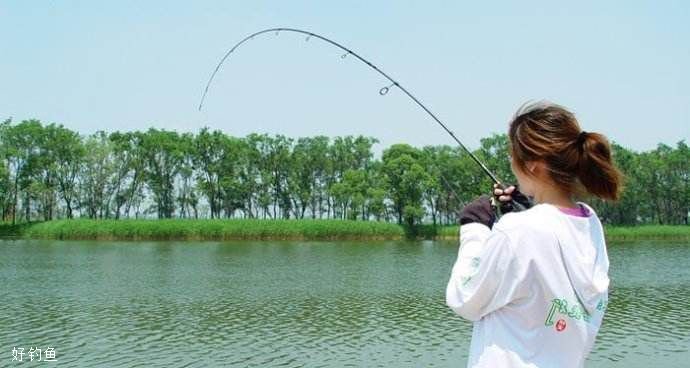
622, 67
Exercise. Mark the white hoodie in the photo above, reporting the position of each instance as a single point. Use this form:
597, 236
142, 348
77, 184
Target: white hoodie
536, 287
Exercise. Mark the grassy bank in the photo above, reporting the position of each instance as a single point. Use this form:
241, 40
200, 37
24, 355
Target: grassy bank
648, 232
183, 229
187, 229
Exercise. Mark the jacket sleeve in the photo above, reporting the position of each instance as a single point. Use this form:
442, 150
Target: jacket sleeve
485, 276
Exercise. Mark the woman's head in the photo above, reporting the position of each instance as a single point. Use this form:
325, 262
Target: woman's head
549, 148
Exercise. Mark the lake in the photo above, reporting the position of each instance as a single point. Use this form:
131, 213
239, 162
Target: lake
297, 304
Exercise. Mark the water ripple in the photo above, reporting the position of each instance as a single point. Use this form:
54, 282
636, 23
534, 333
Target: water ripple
288, 304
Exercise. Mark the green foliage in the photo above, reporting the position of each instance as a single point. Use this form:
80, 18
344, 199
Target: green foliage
657, 187
50, 172
405, 175
163, 152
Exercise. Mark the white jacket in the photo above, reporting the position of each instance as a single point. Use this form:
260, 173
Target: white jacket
536, 287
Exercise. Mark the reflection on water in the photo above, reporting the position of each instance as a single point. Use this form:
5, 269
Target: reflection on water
294, 304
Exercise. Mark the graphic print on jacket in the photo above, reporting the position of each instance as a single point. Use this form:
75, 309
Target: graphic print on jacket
560, 310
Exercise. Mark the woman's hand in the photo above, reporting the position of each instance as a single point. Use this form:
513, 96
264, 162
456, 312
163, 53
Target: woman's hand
505, 197
479, 211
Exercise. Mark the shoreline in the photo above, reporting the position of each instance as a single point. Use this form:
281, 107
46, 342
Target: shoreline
306, 229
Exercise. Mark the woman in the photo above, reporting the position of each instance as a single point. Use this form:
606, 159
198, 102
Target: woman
535, 283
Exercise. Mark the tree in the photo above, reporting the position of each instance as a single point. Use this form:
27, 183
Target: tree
163, 155
186, 196
405, 177
21, 147
350, 194
376, 192
96, 172
130, 171
5, 181
67, 153
209, 150
235, 186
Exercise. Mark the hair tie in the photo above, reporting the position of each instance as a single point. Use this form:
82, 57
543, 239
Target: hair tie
582, 137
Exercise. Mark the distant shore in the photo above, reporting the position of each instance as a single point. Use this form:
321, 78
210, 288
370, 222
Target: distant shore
252, 229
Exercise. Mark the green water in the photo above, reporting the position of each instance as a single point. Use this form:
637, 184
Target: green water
296, 304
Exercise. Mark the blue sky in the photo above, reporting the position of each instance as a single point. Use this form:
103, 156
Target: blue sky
622, 67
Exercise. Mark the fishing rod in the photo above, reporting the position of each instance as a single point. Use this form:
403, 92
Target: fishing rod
383, 91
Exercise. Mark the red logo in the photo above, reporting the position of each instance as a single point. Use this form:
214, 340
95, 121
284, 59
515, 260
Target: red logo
560, 325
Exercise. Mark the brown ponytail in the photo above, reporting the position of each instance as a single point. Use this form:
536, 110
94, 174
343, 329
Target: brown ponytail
576, 160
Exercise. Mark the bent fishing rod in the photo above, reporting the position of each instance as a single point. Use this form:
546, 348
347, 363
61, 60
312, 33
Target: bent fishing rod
383, 91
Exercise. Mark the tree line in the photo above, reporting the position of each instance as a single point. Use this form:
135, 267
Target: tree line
50, 172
